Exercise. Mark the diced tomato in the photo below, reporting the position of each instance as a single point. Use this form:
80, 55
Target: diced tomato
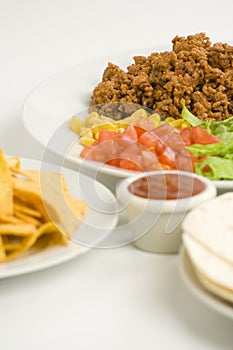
149, 160
186, 135
132, 151
130, 133
99, 153
114, 162
185, 162
169, 137
117, 146
151, 142
139, 149
195, 159
86, 151
108, 151
206, 169
132, 156
168, 157
162, 130
139, 130
129, 165
197, 135
145, 124
201, 136
105, 135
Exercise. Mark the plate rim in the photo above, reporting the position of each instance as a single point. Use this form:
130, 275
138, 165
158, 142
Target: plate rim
70, 252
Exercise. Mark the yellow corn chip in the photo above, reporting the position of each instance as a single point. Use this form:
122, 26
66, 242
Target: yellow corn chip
6, 219
35, 209
19, 207
58, 204
2, 250
49, 234
24, 229
28, 192
6, 190
26, 243
13, 162
27, 219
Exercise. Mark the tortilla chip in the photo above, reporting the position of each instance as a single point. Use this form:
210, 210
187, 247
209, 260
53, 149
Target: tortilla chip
23, 229
2, 250
13, 163
6, 190
49, 234
63, 211
28, 193
77, 206
36, 209
21, 208
6, 219
26, 243
27, 219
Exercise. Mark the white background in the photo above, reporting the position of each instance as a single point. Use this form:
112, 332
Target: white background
115, 299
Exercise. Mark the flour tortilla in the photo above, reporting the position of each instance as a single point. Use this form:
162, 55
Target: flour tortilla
215, 274
211, 224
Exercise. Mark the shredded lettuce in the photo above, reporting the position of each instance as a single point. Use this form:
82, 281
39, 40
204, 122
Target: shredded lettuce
219, 159
189, 117
217, 128
221, 127
221, 149
215, 168
218, 162
226, 136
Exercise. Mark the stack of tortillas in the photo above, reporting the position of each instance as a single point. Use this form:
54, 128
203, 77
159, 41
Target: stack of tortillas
208, 240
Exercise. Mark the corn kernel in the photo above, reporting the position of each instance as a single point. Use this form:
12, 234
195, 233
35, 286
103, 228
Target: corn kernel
75, 124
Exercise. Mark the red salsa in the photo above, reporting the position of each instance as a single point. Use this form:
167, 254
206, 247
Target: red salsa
166, 186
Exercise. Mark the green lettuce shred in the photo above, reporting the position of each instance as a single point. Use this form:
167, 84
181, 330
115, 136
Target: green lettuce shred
218, 168
218, 162
221, 149
218, 128
189, 117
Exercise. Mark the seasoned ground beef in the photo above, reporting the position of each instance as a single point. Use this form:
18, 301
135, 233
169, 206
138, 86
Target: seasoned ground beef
195, 70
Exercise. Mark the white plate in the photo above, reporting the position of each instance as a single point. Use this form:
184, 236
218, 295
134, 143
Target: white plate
49, 107
188, 275
97, 225
36, 261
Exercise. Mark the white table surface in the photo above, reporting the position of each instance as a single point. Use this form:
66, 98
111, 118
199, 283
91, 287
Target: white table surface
105, 299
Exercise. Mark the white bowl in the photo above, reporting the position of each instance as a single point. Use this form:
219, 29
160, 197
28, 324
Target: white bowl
156, 223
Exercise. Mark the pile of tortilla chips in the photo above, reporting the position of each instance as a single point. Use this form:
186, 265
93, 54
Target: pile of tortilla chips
208, 240
36, 209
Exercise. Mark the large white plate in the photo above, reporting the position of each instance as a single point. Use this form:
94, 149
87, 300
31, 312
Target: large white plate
188, 275
99, 222
49, 107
